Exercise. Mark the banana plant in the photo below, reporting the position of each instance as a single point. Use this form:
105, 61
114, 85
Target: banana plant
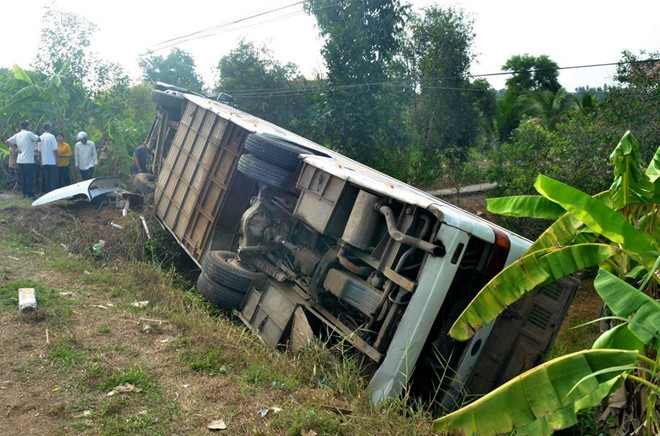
38, 98
548, 397
615, 230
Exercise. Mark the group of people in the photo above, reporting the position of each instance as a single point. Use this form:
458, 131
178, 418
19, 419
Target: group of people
46, 157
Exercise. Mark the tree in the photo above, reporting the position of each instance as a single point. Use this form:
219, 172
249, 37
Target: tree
532, 73
510, 109
263, 87
178, 69
64, 44
638, 72
635, 103
450, 110
551, 107
64, 50
359, 109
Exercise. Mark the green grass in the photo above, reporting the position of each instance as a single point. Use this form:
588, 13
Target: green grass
103, 330
264, 375
50, 304
146, 412
68, 354
296, 420
95, 277
209, 362
19, 241
15, 203
26, 370
71, 264
136, 375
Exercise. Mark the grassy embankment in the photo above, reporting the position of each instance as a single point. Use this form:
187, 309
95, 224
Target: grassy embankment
192, 363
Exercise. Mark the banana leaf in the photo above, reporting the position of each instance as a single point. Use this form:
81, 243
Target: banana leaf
559, 234
620, 338
597, 216
21, 74
626, 301
528, 206
653, 171
524, 275
650, 220
543, 399
631, 184
27, 94
563, 231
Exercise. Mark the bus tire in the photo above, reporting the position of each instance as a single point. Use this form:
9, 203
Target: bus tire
275, 151
219, 295
224, 268
264, 172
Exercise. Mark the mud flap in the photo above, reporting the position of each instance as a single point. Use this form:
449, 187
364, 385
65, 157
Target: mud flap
269, 313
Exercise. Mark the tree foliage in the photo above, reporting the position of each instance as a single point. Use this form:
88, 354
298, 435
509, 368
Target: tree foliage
449, 108
64, 51
177, 68
263, 87
574, 147
360, 109
64, 44
532, 73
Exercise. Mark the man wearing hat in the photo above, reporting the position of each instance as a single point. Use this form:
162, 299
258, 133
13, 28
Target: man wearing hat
85, 158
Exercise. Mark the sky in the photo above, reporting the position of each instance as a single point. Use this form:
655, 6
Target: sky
571, 32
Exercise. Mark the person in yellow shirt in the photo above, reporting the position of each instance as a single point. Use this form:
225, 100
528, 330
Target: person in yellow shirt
63, 155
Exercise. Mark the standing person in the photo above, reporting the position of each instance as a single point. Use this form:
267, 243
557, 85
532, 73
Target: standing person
48, 151
139, 159
23, 142
63, 155
13, 168
85, 156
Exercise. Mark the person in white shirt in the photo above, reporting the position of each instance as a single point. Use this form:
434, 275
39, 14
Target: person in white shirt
48, 151
24, 142
85, 156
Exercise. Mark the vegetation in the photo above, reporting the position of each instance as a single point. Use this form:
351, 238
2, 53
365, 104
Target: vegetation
361, 112
398, 96
177, 68
248, 73
614, 230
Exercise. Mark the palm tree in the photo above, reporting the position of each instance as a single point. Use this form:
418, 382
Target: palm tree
511, 108
551, 107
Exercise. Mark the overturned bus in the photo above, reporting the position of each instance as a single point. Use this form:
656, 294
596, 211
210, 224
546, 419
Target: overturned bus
303, 241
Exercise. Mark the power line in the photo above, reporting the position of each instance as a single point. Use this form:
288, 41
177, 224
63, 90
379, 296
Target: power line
275, 92
222, 28
184, 38
220, 31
